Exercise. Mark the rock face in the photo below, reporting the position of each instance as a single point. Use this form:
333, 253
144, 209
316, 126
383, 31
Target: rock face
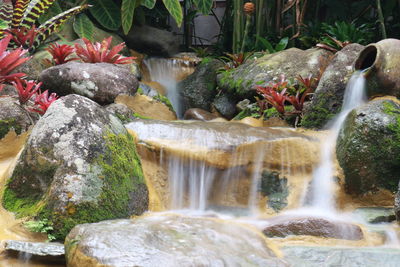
284, 226
225, 105
13, 116
199, 89
36, 248
121, 111
397, 204
101, 82
328, 97
35, 65
368, 147
79, 165
291, 63
167, 240
153, 41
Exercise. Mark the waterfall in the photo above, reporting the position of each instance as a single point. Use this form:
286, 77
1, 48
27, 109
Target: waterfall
167, 73
322, 183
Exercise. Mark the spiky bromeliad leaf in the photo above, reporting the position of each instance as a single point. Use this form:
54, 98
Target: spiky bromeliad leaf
53, 24
204, 5
34, 10
18, 13
84, 27
127, 12
6, 12
175, 9
107, 13
149, 3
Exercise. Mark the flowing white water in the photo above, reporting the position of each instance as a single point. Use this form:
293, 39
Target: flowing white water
166, 72
323, 185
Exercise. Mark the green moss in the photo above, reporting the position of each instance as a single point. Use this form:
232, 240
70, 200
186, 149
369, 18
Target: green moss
124, 119
7, 125
164, 100
206, 60
317, 118
276, 189
140, 91
23, 207
122, 179
137, 115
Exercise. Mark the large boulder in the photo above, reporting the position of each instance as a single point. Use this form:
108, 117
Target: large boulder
79, 165
35, 65
101, 82
152, 41
283, 226
168, 241
199, 89
291, 63
13, 116
225, 105
328, 97
368, 147
397, 204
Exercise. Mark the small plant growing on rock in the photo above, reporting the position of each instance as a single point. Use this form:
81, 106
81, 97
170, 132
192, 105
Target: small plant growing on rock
43, 102
25, 89
42, 226
232, 61
101, 52
9, 60
61, 54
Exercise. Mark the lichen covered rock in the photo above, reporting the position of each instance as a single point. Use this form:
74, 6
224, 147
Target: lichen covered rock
101, 82
328, 97
79, 165
261, 71
368, 147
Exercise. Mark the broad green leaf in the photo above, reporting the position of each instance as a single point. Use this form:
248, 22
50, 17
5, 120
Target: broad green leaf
267, 45
149, 3
175, 9
84, 27
204, 5
127, 12
282, 44
107, 13
3, 24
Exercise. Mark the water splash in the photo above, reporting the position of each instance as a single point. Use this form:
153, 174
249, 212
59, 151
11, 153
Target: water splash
323, 185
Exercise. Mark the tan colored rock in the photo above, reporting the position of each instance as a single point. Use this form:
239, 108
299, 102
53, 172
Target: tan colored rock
147, 107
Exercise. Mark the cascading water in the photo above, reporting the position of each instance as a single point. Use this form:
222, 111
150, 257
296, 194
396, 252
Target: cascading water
168, 72
323, 185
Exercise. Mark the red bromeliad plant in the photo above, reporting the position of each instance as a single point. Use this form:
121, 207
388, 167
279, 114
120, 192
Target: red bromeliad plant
101, 52
25, 89
9, 60
23, 37
43, 102
60, 54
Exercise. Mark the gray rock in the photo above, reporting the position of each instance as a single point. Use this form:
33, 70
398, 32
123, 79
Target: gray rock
101, 82
225, 105
303, 256
35, 65
152, 41
79, 165
328, 97
13, 116
397, 204
283, 226
36, 248
261, 71
8, 90
199, 89
147, 90
368, 147
167, 240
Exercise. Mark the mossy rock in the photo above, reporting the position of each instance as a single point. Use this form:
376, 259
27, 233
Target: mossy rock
368, 147
328, 97
79, 166
275, 188
242, 81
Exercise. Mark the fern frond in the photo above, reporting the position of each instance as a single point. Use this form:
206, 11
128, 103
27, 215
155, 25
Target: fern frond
18, 13
6, 12
34, 10
54, 23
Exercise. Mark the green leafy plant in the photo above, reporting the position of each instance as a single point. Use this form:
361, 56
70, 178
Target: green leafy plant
21, 17
265, 45
43, 226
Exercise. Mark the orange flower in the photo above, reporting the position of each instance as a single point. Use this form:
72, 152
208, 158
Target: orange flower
248, 8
